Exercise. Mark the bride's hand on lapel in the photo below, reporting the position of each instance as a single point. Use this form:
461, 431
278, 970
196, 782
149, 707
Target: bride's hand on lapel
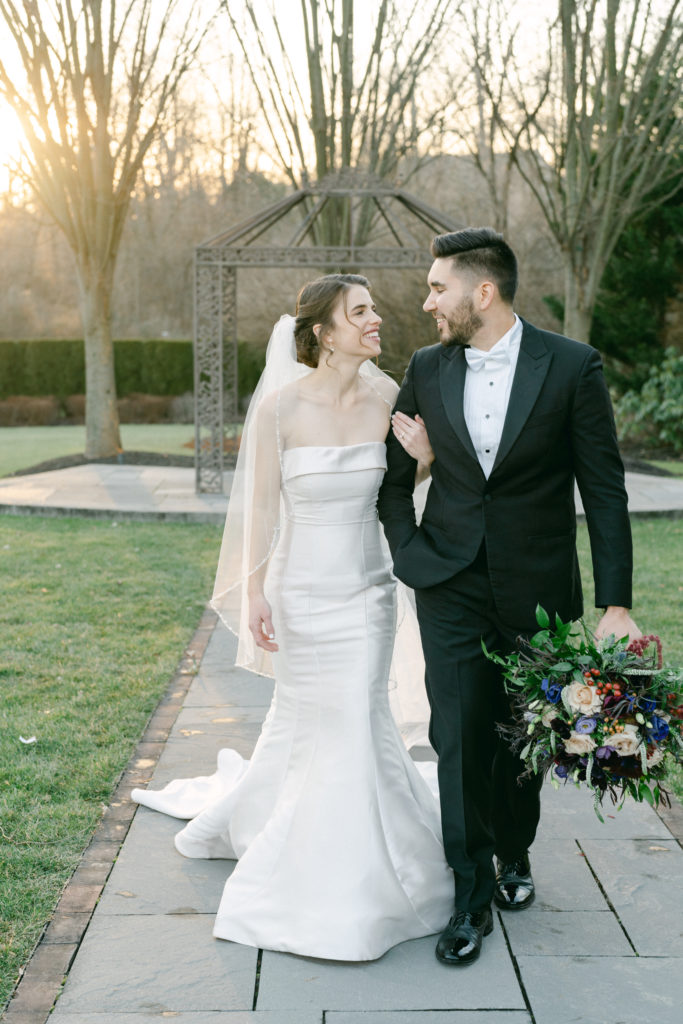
412, 435
617, 622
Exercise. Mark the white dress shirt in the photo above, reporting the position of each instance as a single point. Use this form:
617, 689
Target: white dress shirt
488, 382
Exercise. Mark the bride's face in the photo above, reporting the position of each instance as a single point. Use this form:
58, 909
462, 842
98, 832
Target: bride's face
355, 324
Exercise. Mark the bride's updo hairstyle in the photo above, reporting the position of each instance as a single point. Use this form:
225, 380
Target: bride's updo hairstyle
315, 304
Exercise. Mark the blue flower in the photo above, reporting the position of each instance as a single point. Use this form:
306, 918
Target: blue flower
552, 691
585, 724
659, 730
561, 771
604, 752
647, 705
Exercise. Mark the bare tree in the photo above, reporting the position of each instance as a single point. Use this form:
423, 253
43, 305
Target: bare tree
98, 78
484, 84
325, 108
601, 129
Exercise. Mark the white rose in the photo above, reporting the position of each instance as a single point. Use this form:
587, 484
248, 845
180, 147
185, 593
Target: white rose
654, 756
625, 743
583, 699
579, 743
550, 713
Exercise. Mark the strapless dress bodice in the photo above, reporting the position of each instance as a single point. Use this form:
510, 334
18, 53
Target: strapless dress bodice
333, 484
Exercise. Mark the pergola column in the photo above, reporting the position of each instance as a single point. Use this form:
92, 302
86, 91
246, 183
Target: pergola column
215, 367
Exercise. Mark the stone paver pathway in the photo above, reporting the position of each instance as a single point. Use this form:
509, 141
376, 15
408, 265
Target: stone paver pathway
162, 492
603, 942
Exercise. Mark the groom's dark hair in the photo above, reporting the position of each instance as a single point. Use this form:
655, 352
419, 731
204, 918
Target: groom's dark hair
481, 250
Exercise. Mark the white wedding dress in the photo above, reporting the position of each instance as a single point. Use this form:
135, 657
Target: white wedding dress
337, 835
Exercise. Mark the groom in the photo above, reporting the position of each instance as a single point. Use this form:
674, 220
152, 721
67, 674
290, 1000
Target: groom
514, 415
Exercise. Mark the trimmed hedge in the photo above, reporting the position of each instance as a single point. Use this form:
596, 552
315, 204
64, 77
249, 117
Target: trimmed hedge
161, 367
41, 368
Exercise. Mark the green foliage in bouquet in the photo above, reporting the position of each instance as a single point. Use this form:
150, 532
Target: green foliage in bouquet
603, 713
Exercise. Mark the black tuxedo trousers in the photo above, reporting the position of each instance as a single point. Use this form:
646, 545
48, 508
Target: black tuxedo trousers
485, 809
486, 552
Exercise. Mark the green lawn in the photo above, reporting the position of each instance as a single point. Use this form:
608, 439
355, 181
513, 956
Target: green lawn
94, 618
23, 447
675, 467
658, 580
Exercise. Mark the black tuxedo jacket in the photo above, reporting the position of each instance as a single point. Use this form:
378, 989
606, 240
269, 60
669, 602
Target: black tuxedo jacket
559, 427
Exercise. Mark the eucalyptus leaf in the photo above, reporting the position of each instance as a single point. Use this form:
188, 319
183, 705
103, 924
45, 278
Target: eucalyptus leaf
642, 750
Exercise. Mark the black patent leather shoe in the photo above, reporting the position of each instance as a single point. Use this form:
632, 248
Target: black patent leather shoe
460, 943
514, 885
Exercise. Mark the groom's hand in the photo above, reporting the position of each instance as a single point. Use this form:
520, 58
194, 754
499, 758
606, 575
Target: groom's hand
617, 622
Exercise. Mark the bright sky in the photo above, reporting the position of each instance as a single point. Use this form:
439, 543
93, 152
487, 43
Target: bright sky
526, 11
529, 13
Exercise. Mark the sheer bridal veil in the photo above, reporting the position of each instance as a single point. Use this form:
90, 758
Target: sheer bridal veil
252, 529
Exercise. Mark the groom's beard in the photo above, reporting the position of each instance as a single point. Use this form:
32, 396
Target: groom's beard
463, 324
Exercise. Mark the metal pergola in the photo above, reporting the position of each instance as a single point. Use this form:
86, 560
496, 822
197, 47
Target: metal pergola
401, 228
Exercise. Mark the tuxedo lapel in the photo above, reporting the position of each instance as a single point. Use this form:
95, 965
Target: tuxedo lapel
452, 369
533, 363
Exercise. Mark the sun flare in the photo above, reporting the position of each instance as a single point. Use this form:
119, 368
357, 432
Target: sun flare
11, 140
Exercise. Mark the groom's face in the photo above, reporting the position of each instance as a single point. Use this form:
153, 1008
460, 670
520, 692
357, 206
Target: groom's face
451, 303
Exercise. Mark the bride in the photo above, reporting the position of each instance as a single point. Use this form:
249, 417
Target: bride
337, 835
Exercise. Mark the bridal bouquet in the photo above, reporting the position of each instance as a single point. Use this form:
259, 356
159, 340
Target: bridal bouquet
600, 712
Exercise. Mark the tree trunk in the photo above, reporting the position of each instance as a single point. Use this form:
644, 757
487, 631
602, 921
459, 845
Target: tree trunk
102, 435
578, 309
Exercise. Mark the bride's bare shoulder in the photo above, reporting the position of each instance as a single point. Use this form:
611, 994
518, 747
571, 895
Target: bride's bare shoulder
386, 387
278, 400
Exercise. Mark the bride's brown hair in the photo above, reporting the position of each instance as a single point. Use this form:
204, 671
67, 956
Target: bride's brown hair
315, 304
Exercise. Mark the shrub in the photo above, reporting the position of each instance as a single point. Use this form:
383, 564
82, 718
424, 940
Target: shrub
29, 411
250, 362
41, 368
182, 408
74, 406
654, 415
139, 408
142, 367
